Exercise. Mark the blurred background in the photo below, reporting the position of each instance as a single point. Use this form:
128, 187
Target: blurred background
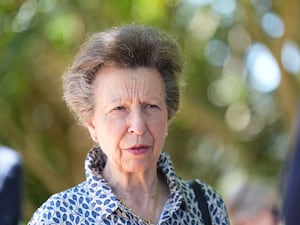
242, 71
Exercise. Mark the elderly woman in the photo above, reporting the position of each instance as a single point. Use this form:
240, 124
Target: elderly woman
123, 86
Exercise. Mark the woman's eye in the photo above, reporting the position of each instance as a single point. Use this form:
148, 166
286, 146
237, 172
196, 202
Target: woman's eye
119, 108
151, 106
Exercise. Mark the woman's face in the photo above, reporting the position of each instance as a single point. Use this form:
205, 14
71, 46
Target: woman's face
130, 119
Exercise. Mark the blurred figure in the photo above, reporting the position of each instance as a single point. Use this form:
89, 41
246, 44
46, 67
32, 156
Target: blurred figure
10, 186
254, 204
292, 188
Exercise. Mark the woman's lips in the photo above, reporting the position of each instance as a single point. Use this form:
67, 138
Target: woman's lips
138, 150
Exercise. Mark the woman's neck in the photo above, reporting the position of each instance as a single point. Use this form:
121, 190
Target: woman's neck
139, 192
128, 183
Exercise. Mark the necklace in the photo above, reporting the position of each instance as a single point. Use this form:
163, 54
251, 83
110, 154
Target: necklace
153, 210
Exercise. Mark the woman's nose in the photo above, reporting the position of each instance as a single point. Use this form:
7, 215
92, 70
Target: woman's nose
136, 123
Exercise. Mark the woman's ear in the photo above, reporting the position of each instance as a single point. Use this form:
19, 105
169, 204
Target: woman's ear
91, 128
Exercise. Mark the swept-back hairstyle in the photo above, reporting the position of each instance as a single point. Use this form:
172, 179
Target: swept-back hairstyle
128, 46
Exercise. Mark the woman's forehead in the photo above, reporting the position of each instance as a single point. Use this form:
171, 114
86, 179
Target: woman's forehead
120, 83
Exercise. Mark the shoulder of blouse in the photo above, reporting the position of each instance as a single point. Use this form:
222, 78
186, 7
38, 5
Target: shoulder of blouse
215, 202
58, 203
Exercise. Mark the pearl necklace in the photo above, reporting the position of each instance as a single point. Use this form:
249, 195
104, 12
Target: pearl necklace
154, 207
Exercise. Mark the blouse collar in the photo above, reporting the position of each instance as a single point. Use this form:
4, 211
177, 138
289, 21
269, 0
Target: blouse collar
102, 197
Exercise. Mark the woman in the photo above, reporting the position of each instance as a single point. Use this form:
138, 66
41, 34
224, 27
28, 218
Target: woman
123, 86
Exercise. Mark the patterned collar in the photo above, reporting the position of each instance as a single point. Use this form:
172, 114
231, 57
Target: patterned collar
104, 201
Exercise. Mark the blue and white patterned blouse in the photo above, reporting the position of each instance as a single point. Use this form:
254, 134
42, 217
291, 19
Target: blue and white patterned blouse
93, 202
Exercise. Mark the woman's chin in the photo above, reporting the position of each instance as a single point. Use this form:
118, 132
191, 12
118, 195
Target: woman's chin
138, 165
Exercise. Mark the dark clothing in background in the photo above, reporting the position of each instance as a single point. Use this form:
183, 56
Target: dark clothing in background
10, 186
292, 189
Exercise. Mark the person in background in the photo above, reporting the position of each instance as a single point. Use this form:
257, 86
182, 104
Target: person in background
10, 186
292, 182
254, 204
124, 87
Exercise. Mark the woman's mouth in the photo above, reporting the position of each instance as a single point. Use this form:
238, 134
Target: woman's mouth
138, 149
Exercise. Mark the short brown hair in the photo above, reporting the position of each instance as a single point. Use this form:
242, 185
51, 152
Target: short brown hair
128, 46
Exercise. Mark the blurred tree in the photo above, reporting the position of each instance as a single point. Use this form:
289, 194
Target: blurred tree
242, 68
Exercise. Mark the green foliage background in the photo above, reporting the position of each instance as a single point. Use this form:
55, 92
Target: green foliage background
38, 39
